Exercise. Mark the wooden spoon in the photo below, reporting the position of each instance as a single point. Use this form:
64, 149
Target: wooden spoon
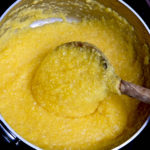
127, 88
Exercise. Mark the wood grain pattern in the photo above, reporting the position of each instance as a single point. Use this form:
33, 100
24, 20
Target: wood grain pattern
135, 91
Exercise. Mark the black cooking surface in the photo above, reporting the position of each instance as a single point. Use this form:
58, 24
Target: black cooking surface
142, 142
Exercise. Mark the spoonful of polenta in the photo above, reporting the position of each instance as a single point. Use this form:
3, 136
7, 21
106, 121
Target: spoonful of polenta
75, 77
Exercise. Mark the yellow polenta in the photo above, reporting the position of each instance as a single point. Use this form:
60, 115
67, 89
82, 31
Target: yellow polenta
33, 81
71, 81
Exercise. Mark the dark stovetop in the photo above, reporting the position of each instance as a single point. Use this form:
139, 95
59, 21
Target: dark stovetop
142, 142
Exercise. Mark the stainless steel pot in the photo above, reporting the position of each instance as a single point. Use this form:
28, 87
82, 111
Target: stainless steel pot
74, 12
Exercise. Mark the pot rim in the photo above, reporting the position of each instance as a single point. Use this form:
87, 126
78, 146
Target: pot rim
136, 14
13, 133
116, 148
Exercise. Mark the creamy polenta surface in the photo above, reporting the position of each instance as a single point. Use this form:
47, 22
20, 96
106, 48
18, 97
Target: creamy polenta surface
38, 87
72, 80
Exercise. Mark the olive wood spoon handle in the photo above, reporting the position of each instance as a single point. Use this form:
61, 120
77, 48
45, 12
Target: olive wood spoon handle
135, 91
